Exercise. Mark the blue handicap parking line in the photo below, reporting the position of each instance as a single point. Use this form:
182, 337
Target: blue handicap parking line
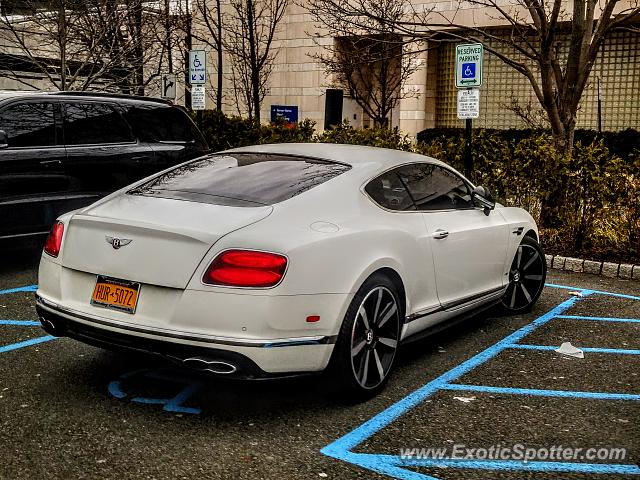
598, 292
618, 351
600, 319
342, 448
28, 288
26, 343
515, 465
540, 392
23, 323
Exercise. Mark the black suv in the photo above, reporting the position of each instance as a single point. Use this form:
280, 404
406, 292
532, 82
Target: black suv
64, 150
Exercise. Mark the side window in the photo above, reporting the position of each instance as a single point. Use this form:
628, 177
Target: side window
94, 123
432, 187
160, 123
29, 124
388, 192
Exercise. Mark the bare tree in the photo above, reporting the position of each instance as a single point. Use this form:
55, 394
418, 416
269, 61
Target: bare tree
251, 28
210, 18
530, 113
94, 44
552, 46
369, 59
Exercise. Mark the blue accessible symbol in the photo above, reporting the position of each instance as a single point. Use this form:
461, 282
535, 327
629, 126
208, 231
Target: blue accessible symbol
468, 70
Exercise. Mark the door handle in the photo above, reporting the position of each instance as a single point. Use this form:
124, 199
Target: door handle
141, 158
440, 234
50, 162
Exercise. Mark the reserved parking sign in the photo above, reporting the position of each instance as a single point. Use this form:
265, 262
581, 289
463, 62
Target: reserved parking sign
469, 65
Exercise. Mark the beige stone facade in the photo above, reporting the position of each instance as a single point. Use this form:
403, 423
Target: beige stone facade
298, 80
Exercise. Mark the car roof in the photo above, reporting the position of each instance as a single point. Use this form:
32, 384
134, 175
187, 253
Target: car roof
368, 158
12, 94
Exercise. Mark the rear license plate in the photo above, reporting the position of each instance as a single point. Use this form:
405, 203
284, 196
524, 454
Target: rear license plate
117, 294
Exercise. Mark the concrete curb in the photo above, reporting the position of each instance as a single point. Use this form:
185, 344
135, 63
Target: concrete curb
625, 271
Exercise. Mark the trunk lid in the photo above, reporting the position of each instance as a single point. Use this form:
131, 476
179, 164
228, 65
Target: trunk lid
168, 237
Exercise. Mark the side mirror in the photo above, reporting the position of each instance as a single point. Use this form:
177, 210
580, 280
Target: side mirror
481, 197
4, 139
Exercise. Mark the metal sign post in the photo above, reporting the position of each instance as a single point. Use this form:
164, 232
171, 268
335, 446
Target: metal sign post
469, 59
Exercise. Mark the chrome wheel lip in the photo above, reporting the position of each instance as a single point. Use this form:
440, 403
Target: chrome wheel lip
372, 342
519, 273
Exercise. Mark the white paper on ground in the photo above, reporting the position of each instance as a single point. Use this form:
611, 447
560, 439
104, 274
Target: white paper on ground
567, 349
465, 399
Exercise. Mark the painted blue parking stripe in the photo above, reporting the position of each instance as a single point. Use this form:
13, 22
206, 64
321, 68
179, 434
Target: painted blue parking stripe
28, 288
619, 351
26, 343
532, 466
600, 319
539, 392
393, 465
597, 292
619, 295
384, 418
24, 323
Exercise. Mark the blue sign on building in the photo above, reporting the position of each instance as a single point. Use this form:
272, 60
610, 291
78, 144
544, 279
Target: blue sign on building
288, 112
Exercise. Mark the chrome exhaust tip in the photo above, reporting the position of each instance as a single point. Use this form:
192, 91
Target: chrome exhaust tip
50, 327
210, 365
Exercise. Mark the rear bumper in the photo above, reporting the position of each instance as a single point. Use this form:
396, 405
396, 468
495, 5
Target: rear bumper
250, 358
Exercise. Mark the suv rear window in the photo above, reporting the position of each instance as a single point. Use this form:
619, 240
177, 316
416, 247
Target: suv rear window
160, 123
93, 124
29, 124
241, 179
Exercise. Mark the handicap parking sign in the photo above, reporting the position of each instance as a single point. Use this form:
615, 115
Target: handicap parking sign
468, 70
469, 65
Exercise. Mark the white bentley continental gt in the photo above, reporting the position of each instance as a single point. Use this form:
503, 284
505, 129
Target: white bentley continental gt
277, 260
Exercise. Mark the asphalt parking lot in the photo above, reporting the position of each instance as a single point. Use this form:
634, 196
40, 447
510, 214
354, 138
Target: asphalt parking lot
68, 410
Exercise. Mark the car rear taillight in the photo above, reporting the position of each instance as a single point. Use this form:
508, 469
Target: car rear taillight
246, 268
54, 240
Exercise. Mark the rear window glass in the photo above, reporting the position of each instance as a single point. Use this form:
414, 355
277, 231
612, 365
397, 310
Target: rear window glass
29, 124
94, 123
160, 124
242, 179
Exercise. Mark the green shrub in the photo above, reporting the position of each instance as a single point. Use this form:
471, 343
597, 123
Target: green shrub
374, 137
223, 132
622, 144
598, 207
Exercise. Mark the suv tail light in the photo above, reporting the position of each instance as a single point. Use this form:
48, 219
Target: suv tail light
246, 268
54, 240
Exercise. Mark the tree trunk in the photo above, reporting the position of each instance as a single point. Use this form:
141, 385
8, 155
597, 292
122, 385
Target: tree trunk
188, 42
255, 72
219, 92
563, 139
139, 49
62, 42
167, 32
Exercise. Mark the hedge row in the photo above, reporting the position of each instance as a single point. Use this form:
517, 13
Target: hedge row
622, 144
598, 209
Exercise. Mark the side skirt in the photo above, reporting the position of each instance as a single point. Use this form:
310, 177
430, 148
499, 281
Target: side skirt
438, 327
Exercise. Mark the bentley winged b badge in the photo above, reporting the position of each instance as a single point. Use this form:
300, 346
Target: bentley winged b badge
116, 243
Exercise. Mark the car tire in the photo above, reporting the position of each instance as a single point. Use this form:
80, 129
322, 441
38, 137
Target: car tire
368, 341
527, 275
